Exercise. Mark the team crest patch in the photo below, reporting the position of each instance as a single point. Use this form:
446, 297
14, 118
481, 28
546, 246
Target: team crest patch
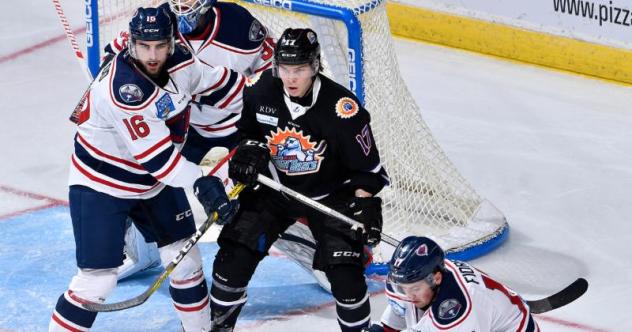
294, 153
346, 108
257, 31
164, 106
130, 93
449, 309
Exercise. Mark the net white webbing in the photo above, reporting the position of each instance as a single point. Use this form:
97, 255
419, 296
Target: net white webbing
427, 195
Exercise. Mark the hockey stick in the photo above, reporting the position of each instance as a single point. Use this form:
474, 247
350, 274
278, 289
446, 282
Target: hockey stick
140, 299
266, 181
71, 38
567, 295
559, 299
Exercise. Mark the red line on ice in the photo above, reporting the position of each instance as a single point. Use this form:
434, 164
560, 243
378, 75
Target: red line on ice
50, 202
33, 48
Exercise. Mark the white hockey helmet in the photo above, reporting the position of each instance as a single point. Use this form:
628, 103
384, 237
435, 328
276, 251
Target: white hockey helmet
189, 12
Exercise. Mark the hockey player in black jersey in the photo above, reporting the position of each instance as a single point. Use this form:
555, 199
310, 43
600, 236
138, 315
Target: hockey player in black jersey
312, 135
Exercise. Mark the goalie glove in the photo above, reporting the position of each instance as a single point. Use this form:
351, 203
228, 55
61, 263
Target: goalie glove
250, 159
368, 211
210, 191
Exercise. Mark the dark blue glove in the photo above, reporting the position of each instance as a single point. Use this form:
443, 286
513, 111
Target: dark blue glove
210, 191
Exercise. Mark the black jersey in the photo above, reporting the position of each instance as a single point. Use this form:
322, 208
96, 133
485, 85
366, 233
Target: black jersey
315, 150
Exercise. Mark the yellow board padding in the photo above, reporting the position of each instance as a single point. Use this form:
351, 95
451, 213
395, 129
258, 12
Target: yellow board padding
511, 42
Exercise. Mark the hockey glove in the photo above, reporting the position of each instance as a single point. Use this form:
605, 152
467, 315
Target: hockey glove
368, 211
250, 159
210, 191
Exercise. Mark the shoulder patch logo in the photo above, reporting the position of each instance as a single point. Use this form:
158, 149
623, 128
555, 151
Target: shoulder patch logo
257, 31
130, 93
164, 106
346, 108
295, 153
449, 309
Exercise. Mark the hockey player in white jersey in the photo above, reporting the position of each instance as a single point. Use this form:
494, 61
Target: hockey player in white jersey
427, 292
127, 163
219, 34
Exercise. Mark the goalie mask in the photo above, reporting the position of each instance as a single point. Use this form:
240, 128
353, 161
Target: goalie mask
297, 47
415, 258
151, 24
189, 12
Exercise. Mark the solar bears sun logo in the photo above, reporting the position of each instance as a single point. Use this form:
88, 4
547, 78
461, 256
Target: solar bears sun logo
346, 108
294, 153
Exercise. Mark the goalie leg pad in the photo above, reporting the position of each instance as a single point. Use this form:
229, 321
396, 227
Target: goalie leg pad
89, 285
352, 299
188, 287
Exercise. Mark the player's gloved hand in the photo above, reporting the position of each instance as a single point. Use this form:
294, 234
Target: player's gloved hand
368, 211
210, 191
250, 159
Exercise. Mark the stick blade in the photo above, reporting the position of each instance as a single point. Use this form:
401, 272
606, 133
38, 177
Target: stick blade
117, 306
567, 295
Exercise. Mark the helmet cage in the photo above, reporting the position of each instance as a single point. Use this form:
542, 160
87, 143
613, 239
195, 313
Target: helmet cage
189, 15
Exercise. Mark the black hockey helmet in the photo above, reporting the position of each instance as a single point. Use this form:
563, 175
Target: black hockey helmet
151, 24
297, 47
414, 259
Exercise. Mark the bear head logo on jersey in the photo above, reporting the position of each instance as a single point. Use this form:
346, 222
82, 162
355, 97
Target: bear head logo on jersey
294, 153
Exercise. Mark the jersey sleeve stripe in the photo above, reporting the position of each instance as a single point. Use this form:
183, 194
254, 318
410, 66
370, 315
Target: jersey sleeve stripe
219, 83
219, 93
107, 182
237, 92
114, 172
264, 68
153, 149
158, 161
170, 168
88, 147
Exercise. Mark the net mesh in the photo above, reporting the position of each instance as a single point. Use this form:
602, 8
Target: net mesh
427, 195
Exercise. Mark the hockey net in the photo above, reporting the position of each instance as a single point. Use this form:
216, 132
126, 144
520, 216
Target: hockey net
427, 195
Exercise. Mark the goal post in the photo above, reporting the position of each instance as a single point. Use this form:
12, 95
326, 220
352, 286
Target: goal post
427, 195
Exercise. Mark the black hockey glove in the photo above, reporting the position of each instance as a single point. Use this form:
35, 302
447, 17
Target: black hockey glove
210, 191
250, 159
368, 211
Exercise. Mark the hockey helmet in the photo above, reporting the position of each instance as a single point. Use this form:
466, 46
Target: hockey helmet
151, 24
189, 12
297, 47
414, 259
